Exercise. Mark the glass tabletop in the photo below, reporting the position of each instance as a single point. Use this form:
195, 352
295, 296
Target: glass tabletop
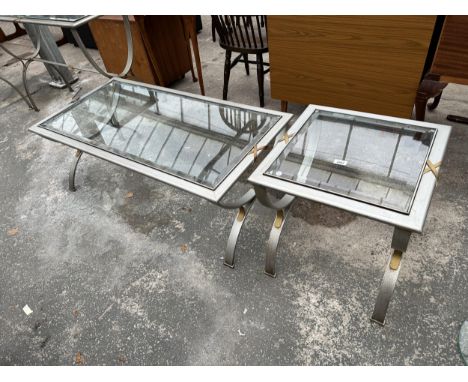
371, 160
192, 138
70, 18
64, 21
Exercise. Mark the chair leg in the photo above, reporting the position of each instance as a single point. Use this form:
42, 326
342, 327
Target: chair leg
213, 31
284, 106
227, 72
260, 75
246, 63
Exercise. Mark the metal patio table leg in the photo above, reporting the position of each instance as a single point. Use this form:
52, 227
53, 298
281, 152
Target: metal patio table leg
44, 44
273, 240
400, 242
244, 204
282, 207
128, 65
61, 76
25, 63
25, 98
72, 173
54, 62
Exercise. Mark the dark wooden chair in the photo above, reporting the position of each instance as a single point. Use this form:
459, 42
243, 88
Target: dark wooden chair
244, 35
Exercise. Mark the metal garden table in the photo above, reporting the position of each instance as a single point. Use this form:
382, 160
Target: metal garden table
379, 167
51, 52
195, 143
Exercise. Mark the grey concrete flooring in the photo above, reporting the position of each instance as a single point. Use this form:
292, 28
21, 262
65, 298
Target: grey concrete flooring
140, 280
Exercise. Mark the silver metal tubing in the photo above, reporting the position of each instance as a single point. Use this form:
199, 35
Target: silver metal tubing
392, 269
128, 65
71, 174
48, 51
244, 204
277, 204
25, 98
21, 59
25, 62
272, 245
26, 87
235, 231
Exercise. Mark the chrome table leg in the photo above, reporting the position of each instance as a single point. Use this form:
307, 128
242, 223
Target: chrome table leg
282, 207
272, 245
235, 231
71, 174
243, 204
400, 242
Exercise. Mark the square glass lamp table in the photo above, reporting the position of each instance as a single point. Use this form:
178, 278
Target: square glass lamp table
194, 143
379, 167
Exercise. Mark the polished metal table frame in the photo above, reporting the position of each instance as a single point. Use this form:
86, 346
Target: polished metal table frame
403, 224
216, 195
72, 25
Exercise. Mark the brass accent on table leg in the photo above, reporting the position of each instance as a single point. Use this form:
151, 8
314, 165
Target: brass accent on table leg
395, 260
279, 218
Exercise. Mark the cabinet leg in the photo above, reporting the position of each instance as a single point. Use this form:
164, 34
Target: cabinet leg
284, 106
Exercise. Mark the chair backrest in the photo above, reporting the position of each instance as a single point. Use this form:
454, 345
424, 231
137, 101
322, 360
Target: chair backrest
242, 33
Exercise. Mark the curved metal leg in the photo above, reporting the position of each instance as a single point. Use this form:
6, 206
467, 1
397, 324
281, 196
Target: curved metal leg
244, 204
272, 245
71, 174
128, 65
392, 269
25, 63
25, 84
25, 99
234, 235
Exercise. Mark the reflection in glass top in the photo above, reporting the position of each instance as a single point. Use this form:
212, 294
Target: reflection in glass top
192, 138
70, 18
374, 161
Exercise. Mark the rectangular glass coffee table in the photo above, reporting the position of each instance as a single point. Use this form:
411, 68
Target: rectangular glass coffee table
380, 167
195, 143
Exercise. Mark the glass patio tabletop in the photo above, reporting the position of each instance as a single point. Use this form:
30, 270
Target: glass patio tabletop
71, 18
374, 161
66, 21
193, 138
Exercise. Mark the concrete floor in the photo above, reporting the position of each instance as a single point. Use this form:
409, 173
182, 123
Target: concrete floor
141, 281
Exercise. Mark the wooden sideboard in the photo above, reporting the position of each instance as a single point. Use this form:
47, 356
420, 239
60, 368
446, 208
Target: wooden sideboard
366, 63
162, 52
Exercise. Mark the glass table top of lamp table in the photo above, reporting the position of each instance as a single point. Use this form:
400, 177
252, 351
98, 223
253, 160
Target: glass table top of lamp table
202, 142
